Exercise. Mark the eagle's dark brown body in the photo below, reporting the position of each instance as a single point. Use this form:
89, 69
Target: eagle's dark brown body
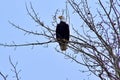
62, 35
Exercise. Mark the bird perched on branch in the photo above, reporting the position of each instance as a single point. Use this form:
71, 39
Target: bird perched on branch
62, 33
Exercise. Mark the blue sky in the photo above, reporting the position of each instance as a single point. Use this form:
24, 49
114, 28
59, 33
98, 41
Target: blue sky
39, 63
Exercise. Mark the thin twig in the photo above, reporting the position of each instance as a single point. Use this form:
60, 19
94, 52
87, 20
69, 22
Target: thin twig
3, 76
15, 69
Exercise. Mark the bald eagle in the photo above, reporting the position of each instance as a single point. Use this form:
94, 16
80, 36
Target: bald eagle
62, 33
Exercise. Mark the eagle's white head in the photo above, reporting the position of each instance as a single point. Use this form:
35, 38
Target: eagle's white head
62, 18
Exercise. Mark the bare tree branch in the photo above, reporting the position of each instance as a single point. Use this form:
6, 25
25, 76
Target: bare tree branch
3, 76
26, 44
15, 69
